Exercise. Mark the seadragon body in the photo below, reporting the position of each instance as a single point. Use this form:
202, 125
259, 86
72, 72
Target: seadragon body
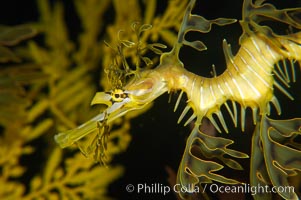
249, 80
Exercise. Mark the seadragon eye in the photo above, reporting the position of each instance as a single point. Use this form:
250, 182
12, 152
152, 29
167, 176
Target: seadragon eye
118, 95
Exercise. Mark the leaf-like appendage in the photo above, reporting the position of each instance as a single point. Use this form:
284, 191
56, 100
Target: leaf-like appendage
254, 14
192, 22
197, 167
258, 171
74, 178
12, 35
122, 68
277, 155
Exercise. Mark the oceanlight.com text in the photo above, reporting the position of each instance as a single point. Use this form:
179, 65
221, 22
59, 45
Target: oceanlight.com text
247, 188
159, 188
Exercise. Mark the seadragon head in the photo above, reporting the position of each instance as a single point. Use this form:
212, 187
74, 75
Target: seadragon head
138, 93
132, 89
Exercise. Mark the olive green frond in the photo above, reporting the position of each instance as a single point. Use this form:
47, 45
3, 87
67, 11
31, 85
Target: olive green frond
276, 154
254, 14
193, 22
197, 165
148, 28
121, 70
11, 36
73, 178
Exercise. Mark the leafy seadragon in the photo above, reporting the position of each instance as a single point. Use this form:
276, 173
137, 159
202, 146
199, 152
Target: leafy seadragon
249, 81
